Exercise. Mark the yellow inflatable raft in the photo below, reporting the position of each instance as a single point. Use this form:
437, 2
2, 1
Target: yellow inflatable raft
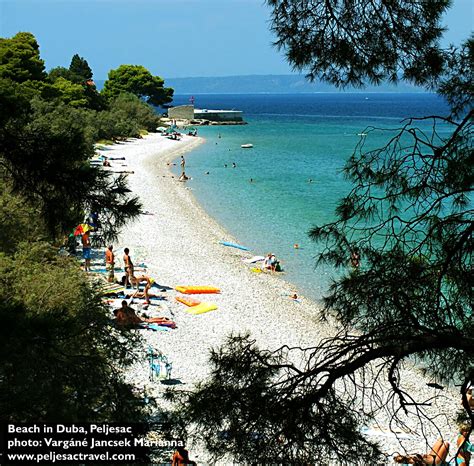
201, 308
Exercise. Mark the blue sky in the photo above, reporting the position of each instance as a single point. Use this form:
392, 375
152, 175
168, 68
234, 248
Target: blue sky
172, 38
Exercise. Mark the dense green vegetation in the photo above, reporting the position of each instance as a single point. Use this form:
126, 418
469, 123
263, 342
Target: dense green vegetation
61, 359
139, 81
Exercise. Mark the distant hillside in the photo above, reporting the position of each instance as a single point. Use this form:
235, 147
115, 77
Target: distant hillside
268, 84
265, 84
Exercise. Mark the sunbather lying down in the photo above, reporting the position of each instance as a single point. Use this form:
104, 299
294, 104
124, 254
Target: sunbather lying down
436, 457
126, 317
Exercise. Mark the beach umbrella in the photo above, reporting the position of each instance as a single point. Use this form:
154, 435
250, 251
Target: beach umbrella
82, 228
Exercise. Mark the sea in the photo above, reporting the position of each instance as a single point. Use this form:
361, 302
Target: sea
292, 179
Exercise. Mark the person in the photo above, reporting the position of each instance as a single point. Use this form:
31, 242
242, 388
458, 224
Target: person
145, 293
470, 399
183, 165
128, 266
183, 177
355, 258
135, 281
464, 446
86, 250
125, 316
181, 457
110, 263
436, 457
269, 262
234, 165
276, 264
106, 163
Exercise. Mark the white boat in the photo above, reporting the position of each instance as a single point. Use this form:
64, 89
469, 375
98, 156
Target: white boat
246, 146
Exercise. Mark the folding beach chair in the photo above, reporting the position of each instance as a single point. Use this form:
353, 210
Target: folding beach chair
160, 367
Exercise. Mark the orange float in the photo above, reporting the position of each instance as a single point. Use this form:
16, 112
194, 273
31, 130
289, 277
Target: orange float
187, 301
197, 289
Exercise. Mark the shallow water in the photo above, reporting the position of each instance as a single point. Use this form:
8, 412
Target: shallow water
296, 138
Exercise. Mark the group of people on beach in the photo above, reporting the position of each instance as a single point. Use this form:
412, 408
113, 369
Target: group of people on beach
183, 176
125, 315
129, 279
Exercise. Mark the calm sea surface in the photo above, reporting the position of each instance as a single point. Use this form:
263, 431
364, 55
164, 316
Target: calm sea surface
296, 138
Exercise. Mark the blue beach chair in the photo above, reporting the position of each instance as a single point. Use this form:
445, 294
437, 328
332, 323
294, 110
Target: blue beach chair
160, 367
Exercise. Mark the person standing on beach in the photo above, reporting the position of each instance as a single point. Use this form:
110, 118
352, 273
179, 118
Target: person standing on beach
128, 266
183, 164
110, 263
86, 251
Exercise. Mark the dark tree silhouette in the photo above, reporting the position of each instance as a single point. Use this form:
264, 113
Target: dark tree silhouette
80, 68
409, 217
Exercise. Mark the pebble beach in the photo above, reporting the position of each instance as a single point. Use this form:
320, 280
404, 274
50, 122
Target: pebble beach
179, 244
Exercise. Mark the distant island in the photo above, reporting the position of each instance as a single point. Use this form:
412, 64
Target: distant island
268, 84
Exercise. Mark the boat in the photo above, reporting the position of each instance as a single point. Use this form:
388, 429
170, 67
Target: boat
246, 146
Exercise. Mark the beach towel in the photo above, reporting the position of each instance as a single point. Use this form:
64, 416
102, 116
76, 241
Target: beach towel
161, 321
254, 259
377, 432
112, 289
154, 327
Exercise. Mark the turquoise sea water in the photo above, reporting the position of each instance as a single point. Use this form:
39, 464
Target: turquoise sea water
295, 138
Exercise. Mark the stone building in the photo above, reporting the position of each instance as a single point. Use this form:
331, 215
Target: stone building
188, 112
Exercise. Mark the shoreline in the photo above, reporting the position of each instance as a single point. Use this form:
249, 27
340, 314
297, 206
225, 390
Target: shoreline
179, 244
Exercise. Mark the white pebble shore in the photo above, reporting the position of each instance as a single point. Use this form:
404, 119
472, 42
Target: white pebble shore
179, 243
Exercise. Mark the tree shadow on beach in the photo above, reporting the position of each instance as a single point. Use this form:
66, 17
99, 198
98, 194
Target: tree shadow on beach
172, 382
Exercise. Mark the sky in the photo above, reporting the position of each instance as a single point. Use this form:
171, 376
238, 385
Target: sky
172, 38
